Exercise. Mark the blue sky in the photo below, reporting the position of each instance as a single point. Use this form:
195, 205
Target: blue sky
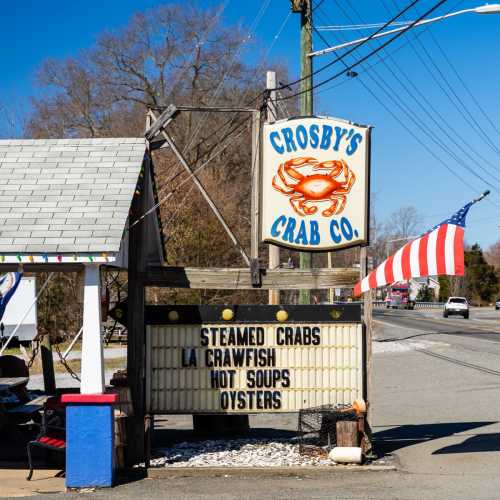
405, 170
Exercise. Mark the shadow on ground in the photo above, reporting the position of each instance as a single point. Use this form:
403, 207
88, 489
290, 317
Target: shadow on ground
474, 444
390, 440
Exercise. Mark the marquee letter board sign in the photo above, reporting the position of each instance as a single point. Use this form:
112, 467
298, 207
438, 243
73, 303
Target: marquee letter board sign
241, 359
315, 184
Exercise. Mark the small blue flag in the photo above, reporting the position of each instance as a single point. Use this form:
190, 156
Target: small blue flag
8, 286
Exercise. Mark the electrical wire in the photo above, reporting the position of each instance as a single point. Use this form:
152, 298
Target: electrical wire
345, 54
249, 103
356, 27
368, 68
367, 56
465, 86
209, 28
190, 175
458, 103
411, 115
219, 88
405, 126
445, 130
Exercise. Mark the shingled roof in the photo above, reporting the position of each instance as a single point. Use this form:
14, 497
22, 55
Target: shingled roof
66, 196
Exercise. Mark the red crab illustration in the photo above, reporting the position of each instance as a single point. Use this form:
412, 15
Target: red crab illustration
315, 187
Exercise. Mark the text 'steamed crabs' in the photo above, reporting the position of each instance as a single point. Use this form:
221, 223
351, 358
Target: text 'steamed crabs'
315, 187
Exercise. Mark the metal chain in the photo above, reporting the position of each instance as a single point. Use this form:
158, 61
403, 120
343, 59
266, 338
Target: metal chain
37, 341
65, 363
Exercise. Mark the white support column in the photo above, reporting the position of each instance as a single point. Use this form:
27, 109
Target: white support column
92, 375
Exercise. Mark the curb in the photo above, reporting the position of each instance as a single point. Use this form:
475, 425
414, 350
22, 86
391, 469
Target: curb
168, 472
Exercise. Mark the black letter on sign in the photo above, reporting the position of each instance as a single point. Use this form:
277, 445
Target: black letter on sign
204, 337
316, 334
276, 400
188, 357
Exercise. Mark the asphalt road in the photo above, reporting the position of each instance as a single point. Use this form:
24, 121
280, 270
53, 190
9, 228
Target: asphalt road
436, 408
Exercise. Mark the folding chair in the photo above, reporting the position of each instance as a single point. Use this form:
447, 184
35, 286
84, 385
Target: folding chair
52, 435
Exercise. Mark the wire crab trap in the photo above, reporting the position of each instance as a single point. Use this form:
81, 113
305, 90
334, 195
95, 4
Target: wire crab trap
317, 428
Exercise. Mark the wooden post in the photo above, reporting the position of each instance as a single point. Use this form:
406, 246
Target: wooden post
136, 344
347, 433
306, 103
367, 319
255, 202
49, 379
272, 115
331, 297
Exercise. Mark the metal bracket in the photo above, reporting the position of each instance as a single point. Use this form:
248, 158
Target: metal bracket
255, 273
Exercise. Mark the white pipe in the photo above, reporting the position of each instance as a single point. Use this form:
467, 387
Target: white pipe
477, 10
346, 455
25, 314
73, 342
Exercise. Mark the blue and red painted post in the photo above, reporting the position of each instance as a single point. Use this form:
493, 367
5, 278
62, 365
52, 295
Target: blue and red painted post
90, 440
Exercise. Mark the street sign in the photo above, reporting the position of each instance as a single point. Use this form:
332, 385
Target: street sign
252, 359
315, 183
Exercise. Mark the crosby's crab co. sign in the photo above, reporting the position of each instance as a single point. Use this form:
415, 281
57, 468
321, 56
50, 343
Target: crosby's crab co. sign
315, 183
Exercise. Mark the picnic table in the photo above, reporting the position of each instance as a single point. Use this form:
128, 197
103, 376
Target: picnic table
8, 383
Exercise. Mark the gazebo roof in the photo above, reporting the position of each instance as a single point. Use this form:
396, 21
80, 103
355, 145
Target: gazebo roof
66, 196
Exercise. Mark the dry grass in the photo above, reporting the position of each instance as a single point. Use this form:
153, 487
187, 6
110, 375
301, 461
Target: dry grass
75, 365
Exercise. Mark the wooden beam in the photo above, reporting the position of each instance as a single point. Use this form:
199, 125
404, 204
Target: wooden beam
43, 268
212, 109
162, 121
255, 173
240, 278
136, 345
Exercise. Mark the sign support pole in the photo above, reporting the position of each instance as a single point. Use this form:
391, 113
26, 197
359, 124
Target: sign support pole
272, 115
367, 319
306, 102
331, 296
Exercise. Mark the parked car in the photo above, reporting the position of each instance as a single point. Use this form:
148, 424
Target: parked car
497, 304
456, 305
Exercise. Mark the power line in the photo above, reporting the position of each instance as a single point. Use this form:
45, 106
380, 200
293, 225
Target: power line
403, 124
219, 88
228, 123
209, 28
191, 175
345, 54
458, 102
356, 27
373, 52
465, 86
443, 129
369, 68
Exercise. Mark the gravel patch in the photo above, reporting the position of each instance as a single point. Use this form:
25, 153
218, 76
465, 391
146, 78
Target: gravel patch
237, 453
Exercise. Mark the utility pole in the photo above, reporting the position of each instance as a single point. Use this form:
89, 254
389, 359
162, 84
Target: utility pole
274, 250
306, 98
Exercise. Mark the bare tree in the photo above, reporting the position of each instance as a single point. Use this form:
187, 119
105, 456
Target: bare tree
404, 222
185, 55
492, 255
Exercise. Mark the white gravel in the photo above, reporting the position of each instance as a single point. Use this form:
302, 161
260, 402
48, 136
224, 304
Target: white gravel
236, 453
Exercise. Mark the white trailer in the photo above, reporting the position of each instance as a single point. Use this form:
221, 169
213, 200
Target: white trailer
16, 309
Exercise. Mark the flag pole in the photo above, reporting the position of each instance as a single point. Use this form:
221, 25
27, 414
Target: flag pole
483, 195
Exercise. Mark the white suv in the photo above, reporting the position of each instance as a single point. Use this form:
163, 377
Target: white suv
456, 305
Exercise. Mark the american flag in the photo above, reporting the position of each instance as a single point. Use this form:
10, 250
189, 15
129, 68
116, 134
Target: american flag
440, 251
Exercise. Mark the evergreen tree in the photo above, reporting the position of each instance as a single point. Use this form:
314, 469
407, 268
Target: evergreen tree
444, 288
425, 294
481, 279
